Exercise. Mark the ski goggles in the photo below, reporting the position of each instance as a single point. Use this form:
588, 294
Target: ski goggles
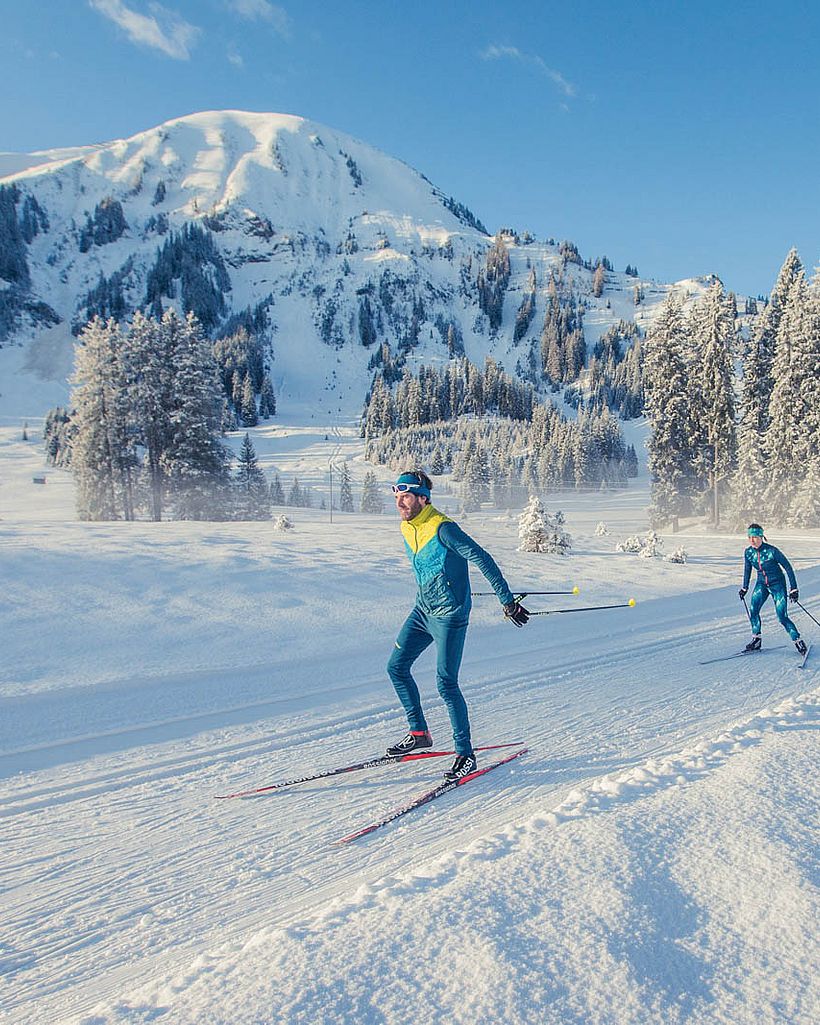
409, 482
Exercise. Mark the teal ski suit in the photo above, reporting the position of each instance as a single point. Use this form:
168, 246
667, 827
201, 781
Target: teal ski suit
439, 551
768, 560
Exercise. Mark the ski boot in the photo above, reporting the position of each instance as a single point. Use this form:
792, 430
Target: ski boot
800, 644
416, 740
754, 643
464, 765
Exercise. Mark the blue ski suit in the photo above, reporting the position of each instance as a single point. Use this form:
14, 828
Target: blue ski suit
439, 551
767, 560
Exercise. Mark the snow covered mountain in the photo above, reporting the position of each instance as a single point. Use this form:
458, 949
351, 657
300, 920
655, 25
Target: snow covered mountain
322, 244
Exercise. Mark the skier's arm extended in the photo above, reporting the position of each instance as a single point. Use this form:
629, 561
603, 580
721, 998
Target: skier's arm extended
454, 538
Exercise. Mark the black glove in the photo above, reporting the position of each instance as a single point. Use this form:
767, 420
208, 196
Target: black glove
743, 592
516, 613
794, 594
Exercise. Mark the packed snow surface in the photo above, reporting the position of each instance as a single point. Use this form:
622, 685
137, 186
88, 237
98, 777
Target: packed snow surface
652, 859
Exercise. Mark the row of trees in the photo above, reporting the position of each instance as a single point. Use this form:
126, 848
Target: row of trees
752, 459
434, 395
614, 373
504, 461
147, 419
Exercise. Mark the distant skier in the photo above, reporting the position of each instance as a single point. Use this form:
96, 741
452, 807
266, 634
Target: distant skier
767, 560
439, 551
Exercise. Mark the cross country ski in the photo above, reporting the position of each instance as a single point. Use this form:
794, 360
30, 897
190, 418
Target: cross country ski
370, 763
427, 797
740, 654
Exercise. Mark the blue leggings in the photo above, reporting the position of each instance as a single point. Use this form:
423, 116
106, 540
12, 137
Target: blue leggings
759, 595
417, 634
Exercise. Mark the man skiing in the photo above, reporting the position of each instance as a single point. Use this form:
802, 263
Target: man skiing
767, 560
439, 550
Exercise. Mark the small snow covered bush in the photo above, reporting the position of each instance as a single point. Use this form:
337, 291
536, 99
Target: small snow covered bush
282, 523
647, 547
601, 530
533, 527
679, 555
651, 546
541, 532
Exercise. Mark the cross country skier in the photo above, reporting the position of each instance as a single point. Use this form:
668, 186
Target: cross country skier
767, 560
439, 551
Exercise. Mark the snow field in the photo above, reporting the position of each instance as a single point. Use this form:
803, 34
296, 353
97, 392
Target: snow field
653, 858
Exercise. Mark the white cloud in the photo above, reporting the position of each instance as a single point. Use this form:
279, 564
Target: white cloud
236, 58
532, 60
263, 10
163, 30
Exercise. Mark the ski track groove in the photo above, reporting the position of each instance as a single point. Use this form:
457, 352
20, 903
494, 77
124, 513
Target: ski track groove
178, 865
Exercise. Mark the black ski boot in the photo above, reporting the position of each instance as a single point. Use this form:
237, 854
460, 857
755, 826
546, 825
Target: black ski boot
463, 766
800, 644
754, 644
416, 740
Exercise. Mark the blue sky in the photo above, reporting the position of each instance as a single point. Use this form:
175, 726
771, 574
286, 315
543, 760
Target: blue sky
678, 137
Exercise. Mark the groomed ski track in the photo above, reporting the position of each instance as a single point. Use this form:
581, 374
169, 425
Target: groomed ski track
121, 865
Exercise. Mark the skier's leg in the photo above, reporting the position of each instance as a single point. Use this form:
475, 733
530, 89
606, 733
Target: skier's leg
781, 604
759, 595
450, 639
412, 640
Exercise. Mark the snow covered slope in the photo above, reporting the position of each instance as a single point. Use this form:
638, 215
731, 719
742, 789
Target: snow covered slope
652, 860
333, 245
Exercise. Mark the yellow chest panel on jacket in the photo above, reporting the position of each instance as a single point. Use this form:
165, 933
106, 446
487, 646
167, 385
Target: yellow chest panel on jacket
419, 531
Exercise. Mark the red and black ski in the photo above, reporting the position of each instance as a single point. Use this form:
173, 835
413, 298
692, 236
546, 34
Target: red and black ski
371, 763
430, 795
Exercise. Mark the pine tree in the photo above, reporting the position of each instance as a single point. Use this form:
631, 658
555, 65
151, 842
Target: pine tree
277, 492
94, 450
150, 349
252, 497
534, 527
295, 495
668, 410
713, 391
750, 478
237, 382
750, 482
346, 492
195, 462
372, 501
794, 428
559, 541
267, 399
250, 417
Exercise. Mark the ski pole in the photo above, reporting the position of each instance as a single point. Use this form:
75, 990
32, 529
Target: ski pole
524, 594
589, 608
745, 606
803, 607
